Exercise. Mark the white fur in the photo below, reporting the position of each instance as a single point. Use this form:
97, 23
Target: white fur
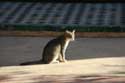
66, 45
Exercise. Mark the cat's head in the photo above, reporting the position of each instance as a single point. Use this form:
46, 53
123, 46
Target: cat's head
70, 35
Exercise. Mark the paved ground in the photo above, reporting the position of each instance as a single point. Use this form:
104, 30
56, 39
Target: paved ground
91, 60
14, 50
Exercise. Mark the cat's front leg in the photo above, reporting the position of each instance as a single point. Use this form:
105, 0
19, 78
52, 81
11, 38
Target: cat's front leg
62, 54
62, 58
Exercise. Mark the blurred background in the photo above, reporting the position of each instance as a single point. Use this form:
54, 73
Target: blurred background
32, 18
83, 15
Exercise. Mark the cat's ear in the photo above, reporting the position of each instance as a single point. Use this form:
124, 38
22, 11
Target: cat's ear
74, 31
67, 31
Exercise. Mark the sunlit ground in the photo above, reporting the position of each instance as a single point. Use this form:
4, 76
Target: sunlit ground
101, 69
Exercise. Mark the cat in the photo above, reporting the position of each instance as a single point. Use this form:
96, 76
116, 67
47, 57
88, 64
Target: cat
55, 49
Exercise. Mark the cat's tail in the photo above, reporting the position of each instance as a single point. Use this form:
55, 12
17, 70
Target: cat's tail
32, 63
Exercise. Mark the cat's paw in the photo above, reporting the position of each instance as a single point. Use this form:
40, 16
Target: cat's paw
55, 62
65, 61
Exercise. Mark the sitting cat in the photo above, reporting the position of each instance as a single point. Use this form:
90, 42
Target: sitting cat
55, 49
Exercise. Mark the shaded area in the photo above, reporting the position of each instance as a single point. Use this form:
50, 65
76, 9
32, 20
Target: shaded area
4, 77
66, 79
118, 72
80, 79
15, 50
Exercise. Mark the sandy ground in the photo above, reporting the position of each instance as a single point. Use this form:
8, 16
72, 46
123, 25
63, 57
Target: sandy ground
90, 60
